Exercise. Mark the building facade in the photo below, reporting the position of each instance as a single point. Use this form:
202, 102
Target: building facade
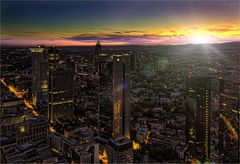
39, 74
114, 107
197, 118
120, 150
60, 94
53, 58
229, 112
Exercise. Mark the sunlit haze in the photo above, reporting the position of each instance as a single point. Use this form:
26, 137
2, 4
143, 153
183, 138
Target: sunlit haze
200, 39
81, 23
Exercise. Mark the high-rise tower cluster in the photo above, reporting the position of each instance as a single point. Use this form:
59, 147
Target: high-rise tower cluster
51, 82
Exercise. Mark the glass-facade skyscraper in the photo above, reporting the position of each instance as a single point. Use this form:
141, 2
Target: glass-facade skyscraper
39, 74
197, 118
114, 108
60, 88
229, 112
60, 94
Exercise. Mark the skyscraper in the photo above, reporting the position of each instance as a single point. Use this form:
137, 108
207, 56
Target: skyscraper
97, 51
39, 74
114, 108
98, 48
60, 88
197, 118
105, 98
121, 106
229, 111
60, 94
53, 57
120, 150
133, 61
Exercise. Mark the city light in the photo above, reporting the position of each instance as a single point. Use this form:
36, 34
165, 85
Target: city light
147, 137
22, 129
136, 145
52, 130
234, 134
120, 82
20, 95
103, 157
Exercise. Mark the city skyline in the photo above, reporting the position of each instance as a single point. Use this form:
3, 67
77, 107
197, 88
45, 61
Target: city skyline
154, 104
81, 23
120, 81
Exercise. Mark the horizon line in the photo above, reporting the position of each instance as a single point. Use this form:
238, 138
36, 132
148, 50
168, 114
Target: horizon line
117, 45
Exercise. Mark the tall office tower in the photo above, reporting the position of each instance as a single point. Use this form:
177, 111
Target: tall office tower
53, 58
229, 121
121, 106
98, 50
133, 62
39, 74
60, 94
114, 108
197, 118
105, 129
120, 150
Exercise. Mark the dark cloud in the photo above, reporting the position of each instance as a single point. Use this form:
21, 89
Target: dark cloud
124, 36
30, 32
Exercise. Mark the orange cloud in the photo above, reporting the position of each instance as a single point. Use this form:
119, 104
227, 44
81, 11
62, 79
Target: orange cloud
223, 33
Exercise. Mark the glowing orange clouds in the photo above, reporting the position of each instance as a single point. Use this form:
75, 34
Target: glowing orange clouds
172, 36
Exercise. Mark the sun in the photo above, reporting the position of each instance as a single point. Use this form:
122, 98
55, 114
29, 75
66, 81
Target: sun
200, 38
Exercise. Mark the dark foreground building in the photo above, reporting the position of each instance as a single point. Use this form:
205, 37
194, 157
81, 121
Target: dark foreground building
197, 118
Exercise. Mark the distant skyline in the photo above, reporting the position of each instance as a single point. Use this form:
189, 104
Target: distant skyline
82, 23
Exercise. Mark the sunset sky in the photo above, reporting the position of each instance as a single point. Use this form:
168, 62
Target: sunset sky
80, 23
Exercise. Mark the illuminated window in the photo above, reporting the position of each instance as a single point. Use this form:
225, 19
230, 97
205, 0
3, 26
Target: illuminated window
22, 129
